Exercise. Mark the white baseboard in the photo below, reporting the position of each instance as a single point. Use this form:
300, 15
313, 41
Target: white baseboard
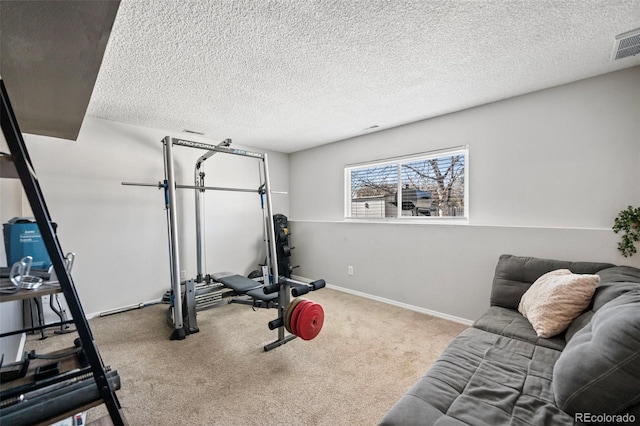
393, 302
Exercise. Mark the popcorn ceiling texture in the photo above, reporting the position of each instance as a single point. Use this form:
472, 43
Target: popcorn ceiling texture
288, 75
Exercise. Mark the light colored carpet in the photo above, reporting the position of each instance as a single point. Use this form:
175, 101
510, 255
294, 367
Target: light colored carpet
366, 356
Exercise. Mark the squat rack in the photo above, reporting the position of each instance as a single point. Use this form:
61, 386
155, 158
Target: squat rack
169, 185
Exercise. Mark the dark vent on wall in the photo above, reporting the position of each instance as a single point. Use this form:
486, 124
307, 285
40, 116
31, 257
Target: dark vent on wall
627, 44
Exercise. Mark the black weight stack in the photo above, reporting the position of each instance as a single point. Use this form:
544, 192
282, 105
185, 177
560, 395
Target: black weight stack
283, 249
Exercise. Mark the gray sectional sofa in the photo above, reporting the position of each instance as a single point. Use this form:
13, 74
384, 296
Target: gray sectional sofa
500, 372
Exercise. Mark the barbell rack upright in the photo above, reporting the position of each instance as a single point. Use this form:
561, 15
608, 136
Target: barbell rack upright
178, 332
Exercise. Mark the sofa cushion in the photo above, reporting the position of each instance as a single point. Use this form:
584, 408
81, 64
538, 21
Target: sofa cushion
555, 299
577, 324
619, 274
483, 378
613, 283
599, 370
515, 274
510, 323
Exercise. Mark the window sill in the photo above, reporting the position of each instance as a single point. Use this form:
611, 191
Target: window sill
413, 220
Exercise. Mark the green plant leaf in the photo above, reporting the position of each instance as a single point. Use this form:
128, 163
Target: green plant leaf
628, 222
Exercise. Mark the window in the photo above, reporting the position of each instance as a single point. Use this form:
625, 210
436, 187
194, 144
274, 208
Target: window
427, 185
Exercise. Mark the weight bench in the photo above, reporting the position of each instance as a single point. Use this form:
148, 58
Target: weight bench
246, 286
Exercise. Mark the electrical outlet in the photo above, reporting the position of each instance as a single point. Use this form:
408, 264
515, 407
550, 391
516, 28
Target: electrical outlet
350, 270
183, 275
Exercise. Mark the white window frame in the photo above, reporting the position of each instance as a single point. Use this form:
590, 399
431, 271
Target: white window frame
464, 150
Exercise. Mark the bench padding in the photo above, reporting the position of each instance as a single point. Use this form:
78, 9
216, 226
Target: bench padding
244, 285
239, 283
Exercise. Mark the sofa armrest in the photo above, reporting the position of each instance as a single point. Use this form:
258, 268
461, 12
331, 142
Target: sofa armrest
515, 274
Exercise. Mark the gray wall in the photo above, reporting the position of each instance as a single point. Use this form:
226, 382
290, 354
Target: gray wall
548, 172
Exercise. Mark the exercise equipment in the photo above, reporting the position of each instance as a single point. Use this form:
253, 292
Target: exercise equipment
20, 277
295, 315
287, 318
285, 311
182, 309
207, 289
283, 251
309, 321
283, 248
246, 286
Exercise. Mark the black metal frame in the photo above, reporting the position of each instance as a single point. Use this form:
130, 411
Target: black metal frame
31, 187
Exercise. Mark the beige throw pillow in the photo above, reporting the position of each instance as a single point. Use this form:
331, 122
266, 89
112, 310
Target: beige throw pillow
555, 299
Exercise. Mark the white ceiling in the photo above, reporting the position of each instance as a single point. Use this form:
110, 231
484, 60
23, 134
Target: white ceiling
292, 74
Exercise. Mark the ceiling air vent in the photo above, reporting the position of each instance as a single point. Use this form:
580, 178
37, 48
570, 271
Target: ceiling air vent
193, 132
627, 44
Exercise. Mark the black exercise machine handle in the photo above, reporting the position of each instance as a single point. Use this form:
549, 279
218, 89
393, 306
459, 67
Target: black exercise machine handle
276, 323
273, 288
318, 284
300, 290
296, 288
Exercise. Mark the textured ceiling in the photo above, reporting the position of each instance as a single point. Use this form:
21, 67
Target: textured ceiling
288, 75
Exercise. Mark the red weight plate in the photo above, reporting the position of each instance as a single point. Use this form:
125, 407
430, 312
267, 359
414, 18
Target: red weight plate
290, 308
310, 321
296, 323
296, 313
